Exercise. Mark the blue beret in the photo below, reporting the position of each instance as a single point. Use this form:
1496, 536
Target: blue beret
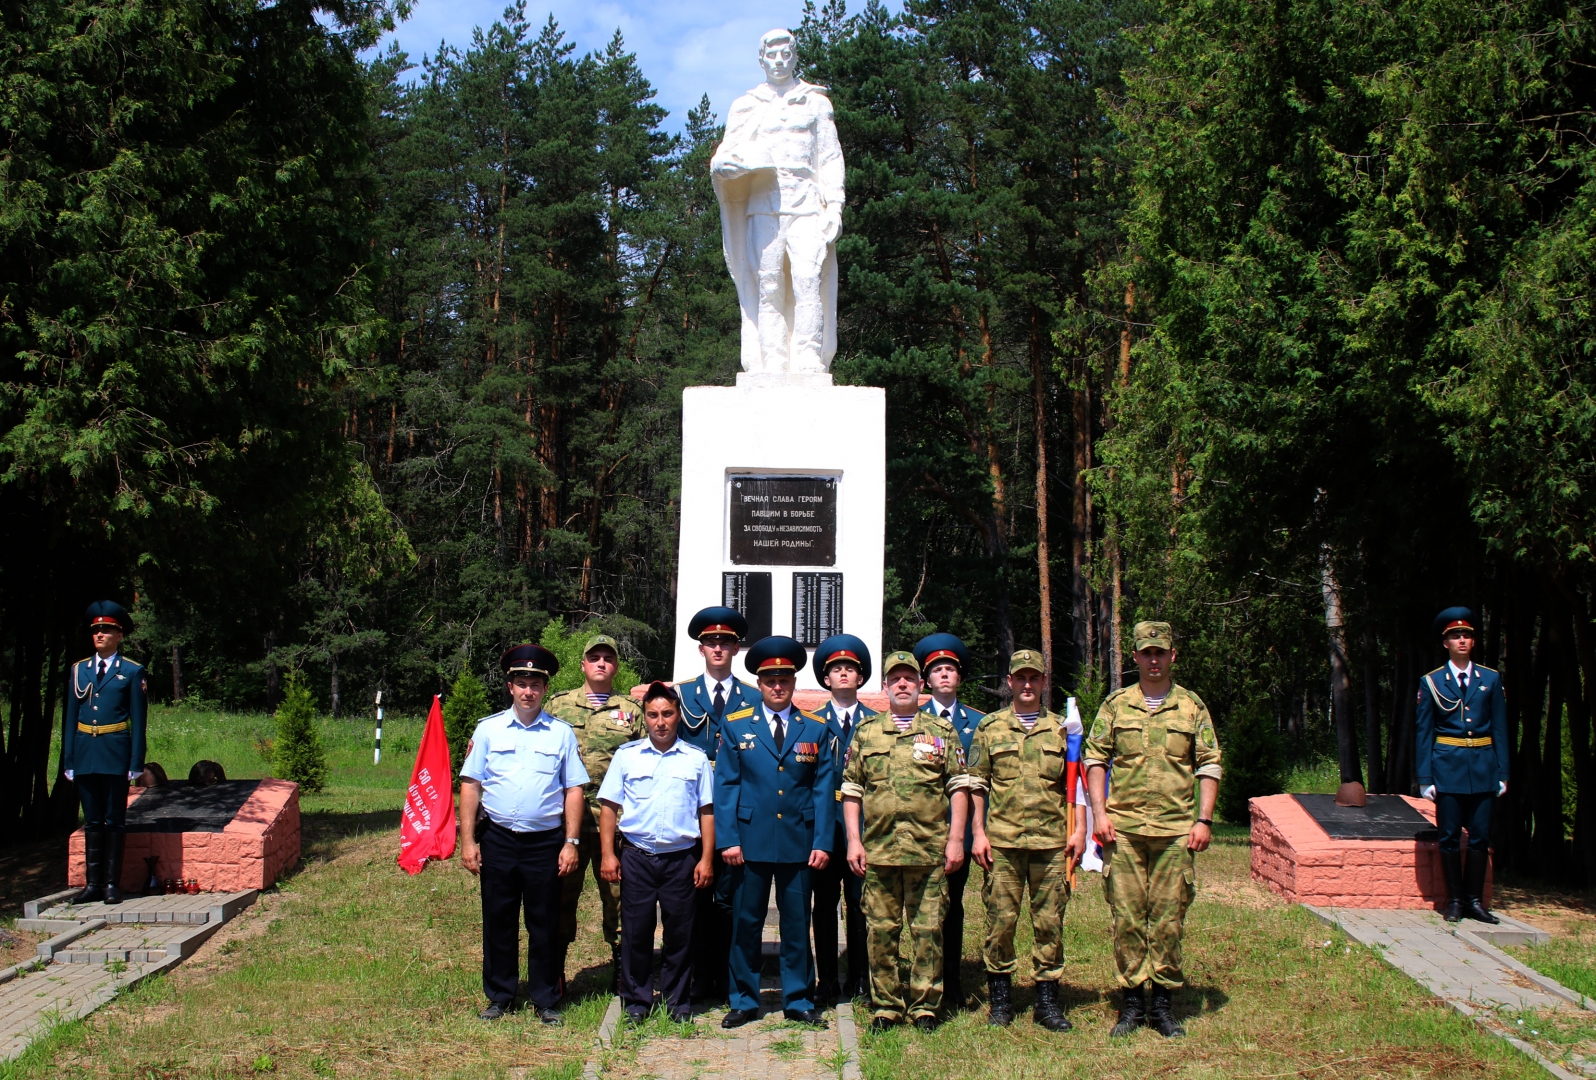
109, 611
933, 647
1452, 618
775, 654
529, 660
842, 647
718, 620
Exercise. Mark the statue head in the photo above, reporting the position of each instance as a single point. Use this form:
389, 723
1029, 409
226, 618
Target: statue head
778, 55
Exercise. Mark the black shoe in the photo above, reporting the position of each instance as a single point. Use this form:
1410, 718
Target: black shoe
1000, 1004
636, 1013
1047, 1011
1452, 870
114, 842
494, 1011
1161, 1014
926, 1023
813, 1017
681, 1016
1474, 889
952, 995
825, 999
882, 1024
736, 1018
548, 1016
1475, 909
1132, 1013
94, 868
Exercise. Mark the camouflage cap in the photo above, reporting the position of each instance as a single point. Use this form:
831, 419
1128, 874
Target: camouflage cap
1027, 660
601, 639
898, 659
1159, 634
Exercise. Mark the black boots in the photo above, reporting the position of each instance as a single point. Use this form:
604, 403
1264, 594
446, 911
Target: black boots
1474, 889
1161, 1015
1047, 1011
94, 867
114, 842
1452, 869
1132, 1013
1000, 1002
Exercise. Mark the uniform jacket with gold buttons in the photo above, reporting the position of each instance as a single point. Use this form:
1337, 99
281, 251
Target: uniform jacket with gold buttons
777, 805
99, 702
1450, 729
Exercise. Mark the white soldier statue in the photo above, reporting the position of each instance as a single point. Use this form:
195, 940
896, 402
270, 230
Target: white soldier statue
779, 178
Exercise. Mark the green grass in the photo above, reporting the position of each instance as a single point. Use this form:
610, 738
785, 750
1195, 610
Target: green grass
1317, 776
1570, 960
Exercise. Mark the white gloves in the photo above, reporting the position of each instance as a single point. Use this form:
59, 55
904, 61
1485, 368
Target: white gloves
67, 773
1428, 793
1501, 788
133, 776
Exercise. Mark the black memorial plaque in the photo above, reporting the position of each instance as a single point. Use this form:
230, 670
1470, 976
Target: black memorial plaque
1387, 817
816, 607
180, 806
784, 520
748, 592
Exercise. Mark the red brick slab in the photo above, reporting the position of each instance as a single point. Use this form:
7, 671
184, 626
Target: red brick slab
251, 852
1297, 859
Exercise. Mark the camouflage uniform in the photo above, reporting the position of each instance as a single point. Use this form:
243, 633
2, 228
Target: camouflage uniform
903, 780
599, 732
1149, 875
1027, 825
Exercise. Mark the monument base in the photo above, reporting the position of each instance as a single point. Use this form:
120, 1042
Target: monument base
1295, 857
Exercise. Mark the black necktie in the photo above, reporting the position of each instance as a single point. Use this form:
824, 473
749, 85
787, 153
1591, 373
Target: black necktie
102, 669
1463, 681
847, 722
947, 714
720, 701
781, 732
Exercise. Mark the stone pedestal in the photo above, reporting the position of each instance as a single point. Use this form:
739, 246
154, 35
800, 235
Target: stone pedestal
785, 476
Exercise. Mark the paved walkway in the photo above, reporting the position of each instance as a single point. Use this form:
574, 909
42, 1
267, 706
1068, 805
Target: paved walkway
98, 951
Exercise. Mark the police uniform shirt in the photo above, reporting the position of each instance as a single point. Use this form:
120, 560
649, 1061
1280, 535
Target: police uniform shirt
524, 770
660, 793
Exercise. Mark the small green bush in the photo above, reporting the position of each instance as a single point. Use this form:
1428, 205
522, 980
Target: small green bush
1253, 758
297, 753
566, 645
466, 704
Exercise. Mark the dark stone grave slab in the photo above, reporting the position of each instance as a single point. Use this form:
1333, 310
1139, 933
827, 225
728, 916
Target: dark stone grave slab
1387, 817
179, 806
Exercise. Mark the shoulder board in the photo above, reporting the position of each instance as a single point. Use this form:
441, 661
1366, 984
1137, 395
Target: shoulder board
633, 742
741, 714
1191, 694
1121, 692
1440, 671
1482, 667
937, 721
862, 710
812, 716
625, 702
689, 748
85, 660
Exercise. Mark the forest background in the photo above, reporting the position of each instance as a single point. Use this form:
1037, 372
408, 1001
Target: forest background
1273, 321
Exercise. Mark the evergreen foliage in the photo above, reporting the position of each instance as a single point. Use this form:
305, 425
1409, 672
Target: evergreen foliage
297, 752
466, 703
566, 645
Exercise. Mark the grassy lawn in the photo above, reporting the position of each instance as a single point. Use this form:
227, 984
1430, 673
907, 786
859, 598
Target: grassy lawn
351, 968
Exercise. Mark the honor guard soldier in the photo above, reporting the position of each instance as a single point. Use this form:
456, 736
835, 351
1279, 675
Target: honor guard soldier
705, 702
1023, 839
775, 802
523, 771
1461, 738
905, 778
842, 665
943, 661
102, 746
1159, 740
603, 722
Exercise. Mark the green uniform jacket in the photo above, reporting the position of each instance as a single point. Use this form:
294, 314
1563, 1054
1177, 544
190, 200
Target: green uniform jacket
904, 779
1154, 759
600, 730
1023, 773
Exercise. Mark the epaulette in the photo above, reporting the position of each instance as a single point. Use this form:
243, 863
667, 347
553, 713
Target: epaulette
634, 742
741, 714
1482, 667
937, 720
812, 716
1122, 691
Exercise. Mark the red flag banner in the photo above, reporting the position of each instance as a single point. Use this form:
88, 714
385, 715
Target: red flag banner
427, 831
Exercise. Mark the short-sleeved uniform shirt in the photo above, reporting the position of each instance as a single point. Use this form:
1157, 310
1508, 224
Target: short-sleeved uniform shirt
659, 793
600, 729
1023, 771
524, 770
1154, 759
903, 780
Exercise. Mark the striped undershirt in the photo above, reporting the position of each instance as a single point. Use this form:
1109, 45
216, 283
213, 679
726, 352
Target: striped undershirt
1153, 703
903, 722
598, 701
1028, 719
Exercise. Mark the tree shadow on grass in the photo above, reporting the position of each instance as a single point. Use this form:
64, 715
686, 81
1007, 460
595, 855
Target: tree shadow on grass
320, 832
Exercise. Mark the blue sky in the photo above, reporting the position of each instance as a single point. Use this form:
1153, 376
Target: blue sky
686, 48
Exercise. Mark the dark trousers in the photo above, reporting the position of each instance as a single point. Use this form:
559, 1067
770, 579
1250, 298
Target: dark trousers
520, 871
104, 799
667, 881
712, 934
953, 937
837, 882
751, 884
1454, 813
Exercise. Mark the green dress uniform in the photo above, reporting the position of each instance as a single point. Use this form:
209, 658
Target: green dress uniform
904, 780
1154, 757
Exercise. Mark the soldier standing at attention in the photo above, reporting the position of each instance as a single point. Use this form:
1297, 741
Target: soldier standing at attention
1159, 740
944, 659
102, 746
842, 665
905, 777
705, 702
524, 771
1022, 839
775, 798
1461, 737
603, 721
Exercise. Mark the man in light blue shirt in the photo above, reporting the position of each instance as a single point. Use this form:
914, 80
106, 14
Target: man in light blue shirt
659, 795
523, 771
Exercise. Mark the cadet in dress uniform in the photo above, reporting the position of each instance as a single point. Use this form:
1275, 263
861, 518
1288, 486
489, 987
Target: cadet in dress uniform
523, 770
1461, 738
944, 659
842, 665
705, 702
906, 779
603, 721
775, 801
1158, 738
1023, 840
102, 746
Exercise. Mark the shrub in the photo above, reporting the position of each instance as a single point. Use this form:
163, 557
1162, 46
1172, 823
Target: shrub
566, 645
1253, 761
466, 704
297, 752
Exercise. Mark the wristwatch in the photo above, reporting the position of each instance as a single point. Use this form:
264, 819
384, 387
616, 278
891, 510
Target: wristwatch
574, 840
1206, 821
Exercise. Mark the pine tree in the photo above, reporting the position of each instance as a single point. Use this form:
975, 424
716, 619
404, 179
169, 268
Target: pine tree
297, 753
466, 704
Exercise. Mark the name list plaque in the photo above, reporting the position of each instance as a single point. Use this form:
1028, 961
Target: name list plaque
783, 521
816, 607
748, 593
